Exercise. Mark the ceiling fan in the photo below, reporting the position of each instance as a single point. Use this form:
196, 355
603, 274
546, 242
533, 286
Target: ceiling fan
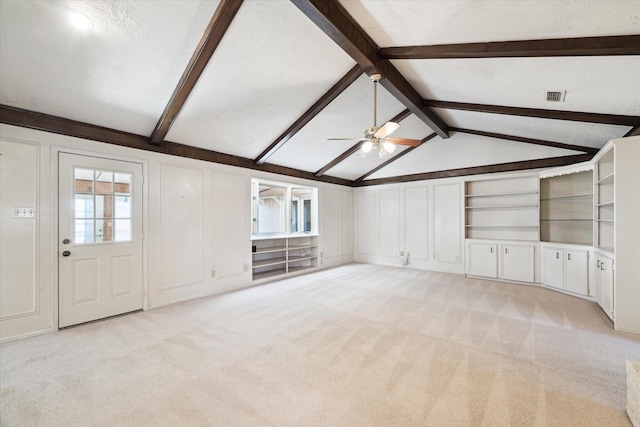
376, 137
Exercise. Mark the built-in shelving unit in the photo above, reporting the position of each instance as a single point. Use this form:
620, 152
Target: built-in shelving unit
566, 208
502, 209
277, 256
604, 203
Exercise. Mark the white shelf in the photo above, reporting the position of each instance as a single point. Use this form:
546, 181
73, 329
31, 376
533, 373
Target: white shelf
270, 250
566, 208
283, 255
609, 179
501, 194
499, 208
504, 209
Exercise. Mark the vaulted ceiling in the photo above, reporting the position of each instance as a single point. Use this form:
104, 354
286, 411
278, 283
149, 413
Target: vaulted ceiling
264, 84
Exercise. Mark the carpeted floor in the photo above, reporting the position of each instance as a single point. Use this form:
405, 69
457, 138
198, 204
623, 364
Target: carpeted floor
358, 345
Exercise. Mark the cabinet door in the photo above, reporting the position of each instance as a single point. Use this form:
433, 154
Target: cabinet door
606, 267
597, 280
553, 267
517, 262
482, 259
577, 271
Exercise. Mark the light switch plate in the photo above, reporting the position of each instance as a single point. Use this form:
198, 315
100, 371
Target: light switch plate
23, 212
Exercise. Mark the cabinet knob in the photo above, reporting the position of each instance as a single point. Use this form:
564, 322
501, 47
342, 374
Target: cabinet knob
598, 263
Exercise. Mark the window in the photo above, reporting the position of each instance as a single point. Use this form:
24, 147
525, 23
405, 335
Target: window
102, 206
282, 209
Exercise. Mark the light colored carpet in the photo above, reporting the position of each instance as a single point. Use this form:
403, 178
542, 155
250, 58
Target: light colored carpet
358, 345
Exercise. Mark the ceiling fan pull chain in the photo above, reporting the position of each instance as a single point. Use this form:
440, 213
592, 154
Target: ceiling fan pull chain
375, 103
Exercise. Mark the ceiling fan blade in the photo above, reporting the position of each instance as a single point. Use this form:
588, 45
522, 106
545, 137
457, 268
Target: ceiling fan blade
387, 129
346, 139
404, 141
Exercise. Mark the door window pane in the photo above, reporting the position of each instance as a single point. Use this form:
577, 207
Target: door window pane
84, 231
83, 206
122, 208
83, 181
123, 230
104, 206
104, 230
104, 182
96, 206
122, 183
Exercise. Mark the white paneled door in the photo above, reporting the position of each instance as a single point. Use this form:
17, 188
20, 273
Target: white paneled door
100, 238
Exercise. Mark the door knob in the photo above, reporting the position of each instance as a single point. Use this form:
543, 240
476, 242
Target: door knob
66, 253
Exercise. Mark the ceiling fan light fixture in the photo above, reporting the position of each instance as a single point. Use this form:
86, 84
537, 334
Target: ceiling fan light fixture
366, 146
389, 147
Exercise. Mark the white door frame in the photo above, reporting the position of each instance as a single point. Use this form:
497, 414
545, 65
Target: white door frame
55, 205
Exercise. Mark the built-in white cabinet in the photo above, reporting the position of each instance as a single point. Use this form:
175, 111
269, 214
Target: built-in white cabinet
501, 260
278, 256
566, 267
482, 259
604, 283
517, 262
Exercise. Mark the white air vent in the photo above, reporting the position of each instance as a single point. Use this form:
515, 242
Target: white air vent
557, 96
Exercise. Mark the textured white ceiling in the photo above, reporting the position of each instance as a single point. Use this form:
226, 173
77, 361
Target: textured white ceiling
524, 82
463, 150
346, 116
120, 74
274, 63
568, 132
271, 66
409, 23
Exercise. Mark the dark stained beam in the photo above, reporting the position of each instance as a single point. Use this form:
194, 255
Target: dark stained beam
399, 117
635, 131
336, 22
582, 46
320, 104
392, 159
59, 125
213, 34
589, 150
609, 119
475, 170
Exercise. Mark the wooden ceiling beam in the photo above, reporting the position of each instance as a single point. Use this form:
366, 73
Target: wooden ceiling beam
336, 22
43, 122
213, 34
608, 119
634, 131
393, 159
399, 117
588, 150
581, 46
476, 170
318, 106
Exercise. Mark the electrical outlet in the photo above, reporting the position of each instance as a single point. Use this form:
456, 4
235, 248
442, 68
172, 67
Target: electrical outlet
214, 272
321, 254
401, 253
245, 267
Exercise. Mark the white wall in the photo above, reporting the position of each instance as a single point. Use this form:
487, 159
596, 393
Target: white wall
196, 219
423, 220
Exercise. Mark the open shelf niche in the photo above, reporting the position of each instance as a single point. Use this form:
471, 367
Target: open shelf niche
277, 256
566, 208
502, 209
604, 203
